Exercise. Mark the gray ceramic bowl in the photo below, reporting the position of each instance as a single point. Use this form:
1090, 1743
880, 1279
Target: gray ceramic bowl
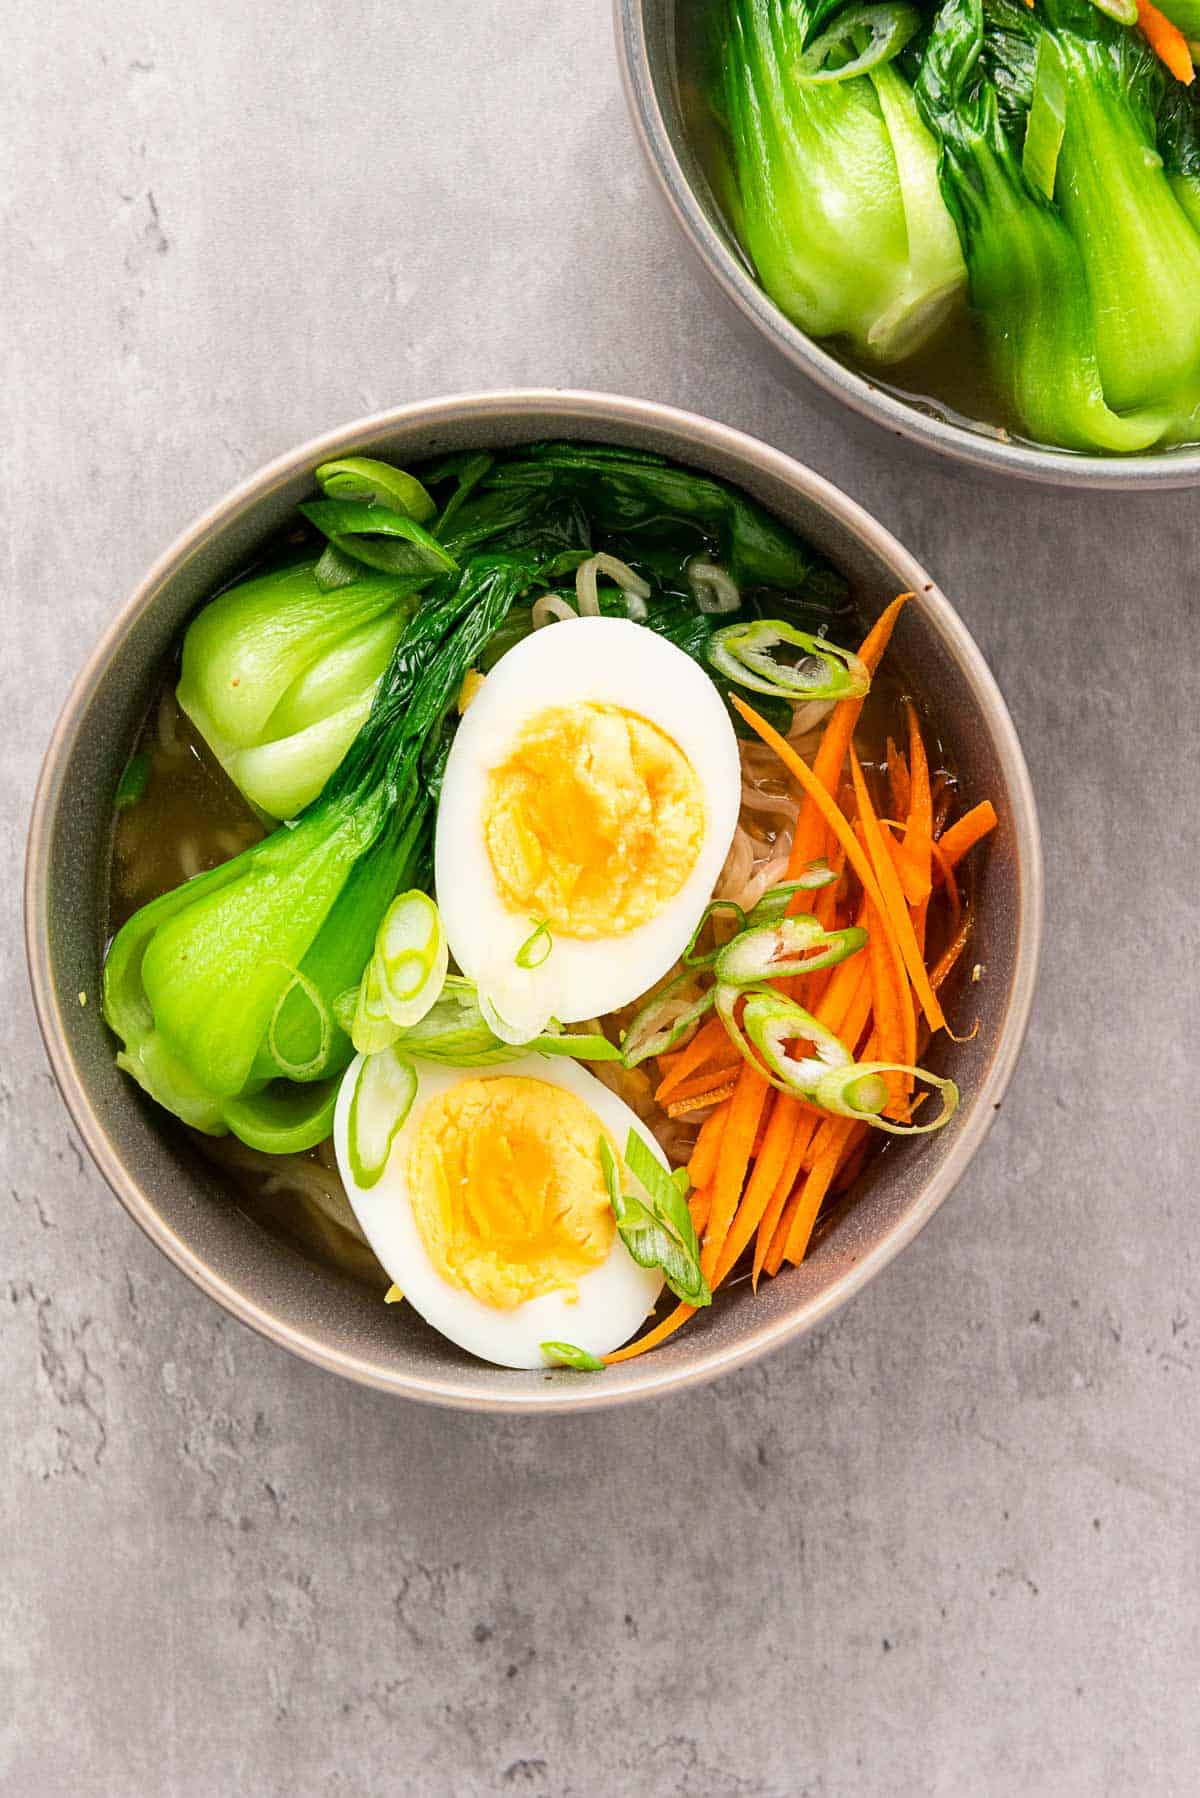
177, 1199
646, 40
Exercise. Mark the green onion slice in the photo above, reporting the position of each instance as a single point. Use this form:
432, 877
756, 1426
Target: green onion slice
379, 537
657, 1229
565, 1354
404, 976
716, 908
713, 587
132, 783
1046, 125
742, 652
861, 38
861, 1091
769, 1023
301, 1070
796, 945
535, 948
664, 1020
374, 483
775, 901
384, 1089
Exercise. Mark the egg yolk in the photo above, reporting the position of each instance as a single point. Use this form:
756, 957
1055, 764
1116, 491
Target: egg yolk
507, 1190
593, 820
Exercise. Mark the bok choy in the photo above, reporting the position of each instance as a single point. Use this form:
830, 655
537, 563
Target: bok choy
222, 991
837, 187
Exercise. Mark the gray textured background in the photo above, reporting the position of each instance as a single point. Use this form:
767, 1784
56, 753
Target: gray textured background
948, 1545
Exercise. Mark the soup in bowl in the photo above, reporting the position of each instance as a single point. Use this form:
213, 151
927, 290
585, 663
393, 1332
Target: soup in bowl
566, 900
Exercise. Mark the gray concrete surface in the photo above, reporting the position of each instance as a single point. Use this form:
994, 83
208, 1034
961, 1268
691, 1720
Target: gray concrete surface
946, 1546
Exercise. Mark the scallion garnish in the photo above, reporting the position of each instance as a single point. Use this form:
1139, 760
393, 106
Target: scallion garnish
384, 1089
657, 1228
862, 38
405, 974
775, 900
796, 945
664, 1020
742, 653
535, 949
565, 1354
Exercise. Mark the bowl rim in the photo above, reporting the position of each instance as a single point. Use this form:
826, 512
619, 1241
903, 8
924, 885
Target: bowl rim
901, 418
469, 1389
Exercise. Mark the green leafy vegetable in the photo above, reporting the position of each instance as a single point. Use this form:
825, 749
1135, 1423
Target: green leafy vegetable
279, 674
379, 537
1047, 120
1027, 280
1140, 252
657, 1228
375, 484
195, 982
837, 180
565, 1354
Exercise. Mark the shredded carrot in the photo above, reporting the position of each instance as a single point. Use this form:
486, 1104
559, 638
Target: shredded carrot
948, 879
699, 1205
918, 836
899, 783
970, 829
703, 1164
769, 1223
657, 1335
768, 1165
1167, 42
855, 855
817, 1184
709, 1040
893, 898
809, 838
895, 1022
716, 1095
733, 1159
940, 972
907, 864
705, 1082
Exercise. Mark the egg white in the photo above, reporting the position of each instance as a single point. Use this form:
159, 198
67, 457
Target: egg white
581, 661
614, 1298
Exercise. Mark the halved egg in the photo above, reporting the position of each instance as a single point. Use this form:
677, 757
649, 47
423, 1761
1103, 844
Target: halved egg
589, 801
492, 1215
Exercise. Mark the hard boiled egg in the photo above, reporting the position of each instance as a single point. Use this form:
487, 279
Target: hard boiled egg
589, 801
492, 1215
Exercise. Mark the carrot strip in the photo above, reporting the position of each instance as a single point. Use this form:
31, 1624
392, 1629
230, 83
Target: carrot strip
812, 1193
906, 864
657, 1335
732, 1160
948, 878
918, 836
708, 1040
809, 838
1167, 42
858, 860
768, 1166
703, 1164
940, 973
895, 1023
899, 781
700, 1204
701, 1083
893, 897
716, 1095
769, 1224
969, 830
